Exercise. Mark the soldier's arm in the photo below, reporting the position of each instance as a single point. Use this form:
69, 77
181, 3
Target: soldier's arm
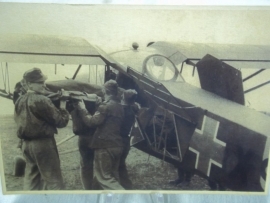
48, 112
92, 120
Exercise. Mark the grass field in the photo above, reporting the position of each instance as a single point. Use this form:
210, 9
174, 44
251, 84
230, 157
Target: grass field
146, 172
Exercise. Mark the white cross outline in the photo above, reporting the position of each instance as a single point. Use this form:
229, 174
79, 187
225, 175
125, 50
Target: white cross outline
262, 182
266, 154
211, 161
197, 156
200, 132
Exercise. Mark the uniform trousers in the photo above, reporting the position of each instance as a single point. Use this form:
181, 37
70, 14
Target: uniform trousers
123, 173
87, 162
42, 170
106, 168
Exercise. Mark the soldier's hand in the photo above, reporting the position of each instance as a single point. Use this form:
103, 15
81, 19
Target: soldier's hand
81, 105
64, 94
62, 104
99, 100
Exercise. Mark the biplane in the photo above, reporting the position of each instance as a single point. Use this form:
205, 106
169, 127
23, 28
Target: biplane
206, 129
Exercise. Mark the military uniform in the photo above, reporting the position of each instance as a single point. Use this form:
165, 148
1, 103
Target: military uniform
107, 142
129, 118
37, 119
86, 161
87, 153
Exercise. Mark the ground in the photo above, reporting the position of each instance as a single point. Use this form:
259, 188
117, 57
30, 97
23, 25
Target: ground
146, 172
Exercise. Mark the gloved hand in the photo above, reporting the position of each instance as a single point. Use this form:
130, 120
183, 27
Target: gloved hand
62, 104
62, 99
80, 105
98, 100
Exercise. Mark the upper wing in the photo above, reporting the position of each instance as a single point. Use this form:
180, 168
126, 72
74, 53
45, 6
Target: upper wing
47, 49
237, 55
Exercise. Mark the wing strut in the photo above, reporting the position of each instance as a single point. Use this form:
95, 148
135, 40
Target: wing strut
75, 74
256, 73
193, 72
5, 75
256, 87
6, 91
181, 67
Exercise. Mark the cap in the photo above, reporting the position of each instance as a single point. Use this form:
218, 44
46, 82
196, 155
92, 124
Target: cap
129, 96
111, 86
34, 75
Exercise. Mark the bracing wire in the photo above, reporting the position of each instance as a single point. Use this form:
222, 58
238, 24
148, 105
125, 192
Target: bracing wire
89, 74
3, 75
96, 74
7, 78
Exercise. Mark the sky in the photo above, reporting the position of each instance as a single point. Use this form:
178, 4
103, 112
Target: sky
152, 2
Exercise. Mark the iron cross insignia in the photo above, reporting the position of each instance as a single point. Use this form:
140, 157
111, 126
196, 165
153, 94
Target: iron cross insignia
208, 149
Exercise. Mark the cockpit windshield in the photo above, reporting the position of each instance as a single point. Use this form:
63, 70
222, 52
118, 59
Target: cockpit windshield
160, 68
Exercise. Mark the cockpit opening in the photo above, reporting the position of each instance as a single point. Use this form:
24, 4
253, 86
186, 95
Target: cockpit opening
160, 68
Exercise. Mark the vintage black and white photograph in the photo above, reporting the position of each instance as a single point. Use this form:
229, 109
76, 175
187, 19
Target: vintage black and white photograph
130, 99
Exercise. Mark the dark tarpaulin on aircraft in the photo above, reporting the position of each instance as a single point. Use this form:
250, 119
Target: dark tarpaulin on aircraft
221, 79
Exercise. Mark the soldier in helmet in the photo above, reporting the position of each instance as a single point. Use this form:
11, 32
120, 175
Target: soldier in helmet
37, 119
106, 142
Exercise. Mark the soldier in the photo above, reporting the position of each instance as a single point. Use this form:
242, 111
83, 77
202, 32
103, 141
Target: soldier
37, 119
19, 90
107, 142
85, 138
130, 110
